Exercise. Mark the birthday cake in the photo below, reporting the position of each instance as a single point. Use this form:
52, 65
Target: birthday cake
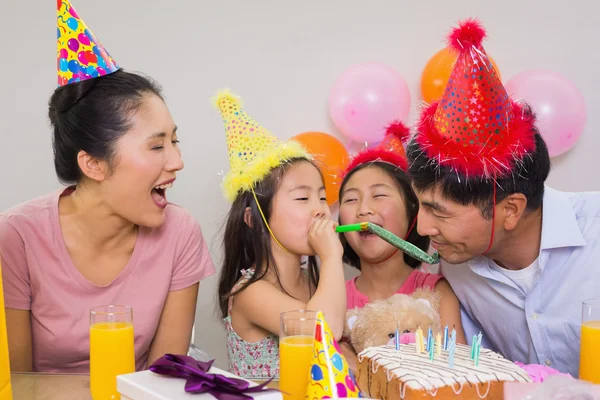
402, 372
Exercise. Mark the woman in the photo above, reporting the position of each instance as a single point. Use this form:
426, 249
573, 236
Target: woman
110, 237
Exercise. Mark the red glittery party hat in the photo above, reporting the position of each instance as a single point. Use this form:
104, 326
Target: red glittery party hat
475, 128
390, 150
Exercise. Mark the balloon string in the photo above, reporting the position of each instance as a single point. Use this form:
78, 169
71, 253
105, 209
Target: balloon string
265, 221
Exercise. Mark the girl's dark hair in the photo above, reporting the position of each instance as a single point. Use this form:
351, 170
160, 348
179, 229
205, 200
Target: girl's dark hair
412, 209
246, 246
92, 115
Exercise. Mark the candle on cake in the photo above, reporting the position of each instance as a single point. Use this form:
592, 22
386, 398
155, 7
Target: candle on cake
446, 338
438, 344
451, 351
418, 340
429, 337
477, 350
421, 341
431, 346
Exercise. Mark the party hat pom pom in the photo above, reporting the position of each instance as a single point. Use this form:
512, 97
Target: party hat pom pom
399, 130
469, 33
225, 94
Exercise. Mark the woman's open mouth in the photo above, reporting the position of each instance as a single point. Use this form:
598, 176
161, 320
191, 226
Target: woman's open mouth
159, 194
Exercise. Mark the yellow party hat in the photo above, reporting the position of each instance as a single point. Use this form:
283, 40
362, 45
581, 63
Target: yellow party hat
253, 150
329, 374
80, 55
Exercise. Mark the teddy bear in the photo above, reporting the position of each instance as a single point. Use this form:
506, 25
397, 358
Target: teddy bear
376, 323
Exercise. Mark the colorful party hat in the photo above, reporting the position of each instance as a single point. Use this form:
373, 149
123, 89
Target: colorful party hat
475, 128
80, 55
390, 150
329, 374
253, 150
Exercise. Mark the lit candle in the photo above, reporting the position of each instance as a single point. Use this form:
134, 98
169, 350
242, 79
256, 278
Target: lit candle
397, 340
451, 351
438, 345
418, 340
446, 338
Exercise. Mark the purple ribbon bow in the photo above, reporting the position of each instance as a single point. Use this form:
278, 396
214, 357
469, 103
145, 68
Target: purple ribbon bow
198, 380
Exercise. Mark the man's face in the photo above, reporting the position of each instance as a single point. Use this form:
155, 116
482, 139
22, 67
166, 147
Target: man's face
459, 233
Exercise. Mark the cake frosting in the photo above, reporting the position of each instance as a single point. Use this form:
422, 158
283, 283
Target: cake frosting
418, 372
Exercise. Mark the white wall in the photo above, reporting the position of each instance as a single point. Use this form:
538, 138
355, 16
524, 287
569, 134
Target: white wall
282, 57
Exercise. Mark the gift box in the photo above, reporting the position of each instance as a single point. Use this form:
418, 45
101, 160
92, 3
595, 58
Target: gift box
148, 385
5, 388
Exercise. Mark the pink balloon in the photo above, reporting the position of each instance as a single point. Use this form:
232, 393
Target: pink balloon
558, 104
366, 98
81, 56
83, 39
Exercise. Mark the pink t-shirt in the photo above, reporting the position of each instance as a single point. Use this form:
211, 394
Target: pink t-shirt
38, 275
416, 280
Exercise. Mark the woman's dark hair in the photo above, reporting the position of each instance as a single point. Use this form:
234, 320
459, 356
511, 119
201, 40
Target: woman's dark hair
92, 115
528, 177
412, 209
246, 246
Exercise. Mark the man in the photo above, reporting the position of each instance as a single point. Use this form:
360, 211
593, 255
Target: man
521, 257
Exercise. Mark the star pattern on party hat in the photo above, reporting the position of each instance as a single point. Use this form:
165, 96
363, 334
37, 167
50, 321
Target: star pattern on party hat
390, 150
475, 128
329, 375
80, 56
253, 150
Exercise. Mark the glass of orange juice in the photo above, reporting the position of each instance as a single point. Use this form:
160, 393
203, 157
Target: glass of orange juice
295, 352
589, 361
111, 349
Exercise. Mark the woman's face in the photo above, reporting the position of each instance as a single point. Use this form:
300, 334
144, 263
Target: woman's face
372, 195
146, 161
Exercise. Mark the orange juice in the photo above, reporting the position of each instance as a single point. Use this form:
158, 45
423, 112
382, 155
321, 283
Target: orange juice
111, 354
5, 389
589, 362
295, 356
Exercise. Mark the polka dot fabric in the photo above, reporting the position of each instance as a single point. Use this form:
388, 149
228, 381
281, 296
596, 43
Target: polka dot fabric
329, 374
80, 55
246, 138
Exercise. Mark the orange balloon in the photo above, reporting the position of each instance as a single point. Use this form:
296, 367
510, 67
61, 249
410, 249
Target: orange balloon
330, 156
437, 72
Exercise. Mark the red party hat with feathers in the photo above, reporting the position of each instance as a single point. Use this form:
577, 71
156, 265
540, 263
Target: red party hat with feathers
390, 150
475, 128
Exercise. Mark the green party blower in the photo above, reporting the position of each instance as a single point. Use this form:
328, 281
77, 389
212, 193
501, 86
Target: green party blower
392, 239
